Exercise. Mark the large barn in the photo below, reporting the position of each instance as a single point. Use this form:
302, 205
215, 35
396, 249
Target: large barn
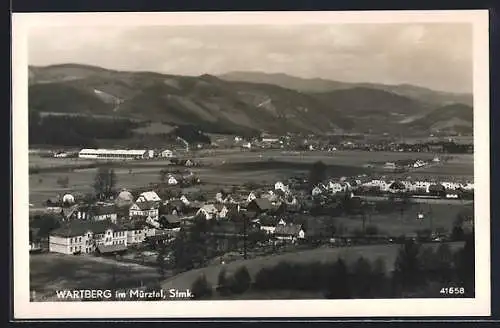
115, 153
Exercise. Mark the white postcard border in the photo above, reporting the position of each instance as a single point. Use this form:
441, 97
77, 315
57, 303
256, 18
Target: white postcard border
24, 309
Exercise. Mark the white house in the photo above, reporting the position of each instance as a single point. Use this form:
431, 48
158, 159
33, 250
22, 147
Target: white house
219, 197
316, 191
185, 200
87, 236
269, 225
281, 186
209, 211
101, 213
145, 209
468, 186
451, 185
246, 145
148, 196
172, 181
289, 232
251, 197
334, 187
381, 184
422, 185
61, 155
167, 154
68, 199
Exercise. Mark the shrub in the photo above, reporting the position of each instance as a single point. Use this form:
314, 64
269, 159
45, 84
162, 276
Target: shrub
241, 281
201, 288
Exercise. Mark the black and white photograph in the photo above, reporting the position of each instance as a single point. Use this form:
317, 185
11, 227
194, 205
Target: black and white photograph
315, 163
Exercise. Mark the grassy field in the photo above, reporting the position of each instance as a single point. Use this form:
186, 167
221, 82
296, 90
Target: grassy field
349, 254
236, 168
50, 272
397, 223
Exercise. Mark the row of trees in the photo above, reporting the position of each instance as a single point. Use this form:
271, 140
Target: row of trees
418, 272
75, 130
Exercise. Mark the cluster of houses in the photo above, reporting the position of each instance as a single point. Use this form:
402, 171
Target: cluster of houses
114, 226
448, 189
111, 227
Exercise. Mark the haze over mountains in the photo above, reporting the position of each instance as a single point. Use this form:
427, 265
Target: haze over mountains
248, 101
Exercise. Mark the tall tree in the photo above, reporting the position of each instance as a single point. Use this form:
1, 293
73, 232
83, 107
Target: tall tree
160, 261
361, 275
338, 286
465, 265
407, 266
317, 173
201, 288
104, 182
241, 280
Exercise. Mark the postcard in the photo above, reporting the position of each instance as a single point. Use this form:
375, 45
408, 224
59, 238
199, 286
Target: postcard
251, 164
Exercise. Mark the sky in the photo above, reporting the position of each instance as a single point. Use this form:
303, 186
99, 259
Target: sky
434, 55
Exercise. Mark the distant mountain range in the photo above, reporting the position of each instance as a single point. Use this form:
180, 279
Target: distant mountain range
425, 95
246, 102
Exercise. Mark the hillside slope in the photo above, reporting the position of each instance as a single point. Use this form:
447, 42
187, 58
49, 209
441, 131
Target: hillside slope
456, 118
431, 97
216, 105
204, 101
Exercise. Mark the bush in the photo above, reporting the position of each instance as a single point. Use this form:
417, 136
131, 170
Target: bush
201, 288
241, 281
223, 282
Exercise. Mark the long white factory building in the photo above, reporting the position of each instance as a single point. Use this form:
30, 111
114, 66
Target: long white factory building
116, 154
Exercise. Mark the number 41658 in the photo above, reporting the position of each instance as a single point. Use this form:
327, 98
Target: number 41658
452, 291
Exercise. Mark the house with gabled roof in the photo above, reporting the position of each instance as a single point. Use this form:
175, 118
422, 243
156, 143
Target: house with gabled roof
148, 196
88, 236
99, 213
269, 223
289, 231
209, 211
260, 205
148, 209
170, 222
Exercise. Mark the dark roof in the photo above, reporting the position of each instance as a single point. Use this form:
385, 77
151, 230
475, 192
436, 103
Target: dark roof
177, 203
68, 211
436, 187
268, 221
147, 205
79, 228
103, 210
218, 206
397, 185
196, 204
262, 203
172, 218
111, 248
288, 230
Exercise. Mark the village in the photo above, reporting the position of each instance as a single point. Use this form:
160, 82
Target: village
297, 211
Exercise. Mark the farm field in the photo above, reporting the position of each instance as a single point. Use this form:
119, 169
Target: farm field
400, 223
50, 272
235, 168
349, 254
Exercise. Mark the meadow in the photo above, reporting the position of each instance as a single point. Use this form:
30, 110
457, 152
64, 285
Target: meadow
51, 271
436, 217
387, 252
223, 168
